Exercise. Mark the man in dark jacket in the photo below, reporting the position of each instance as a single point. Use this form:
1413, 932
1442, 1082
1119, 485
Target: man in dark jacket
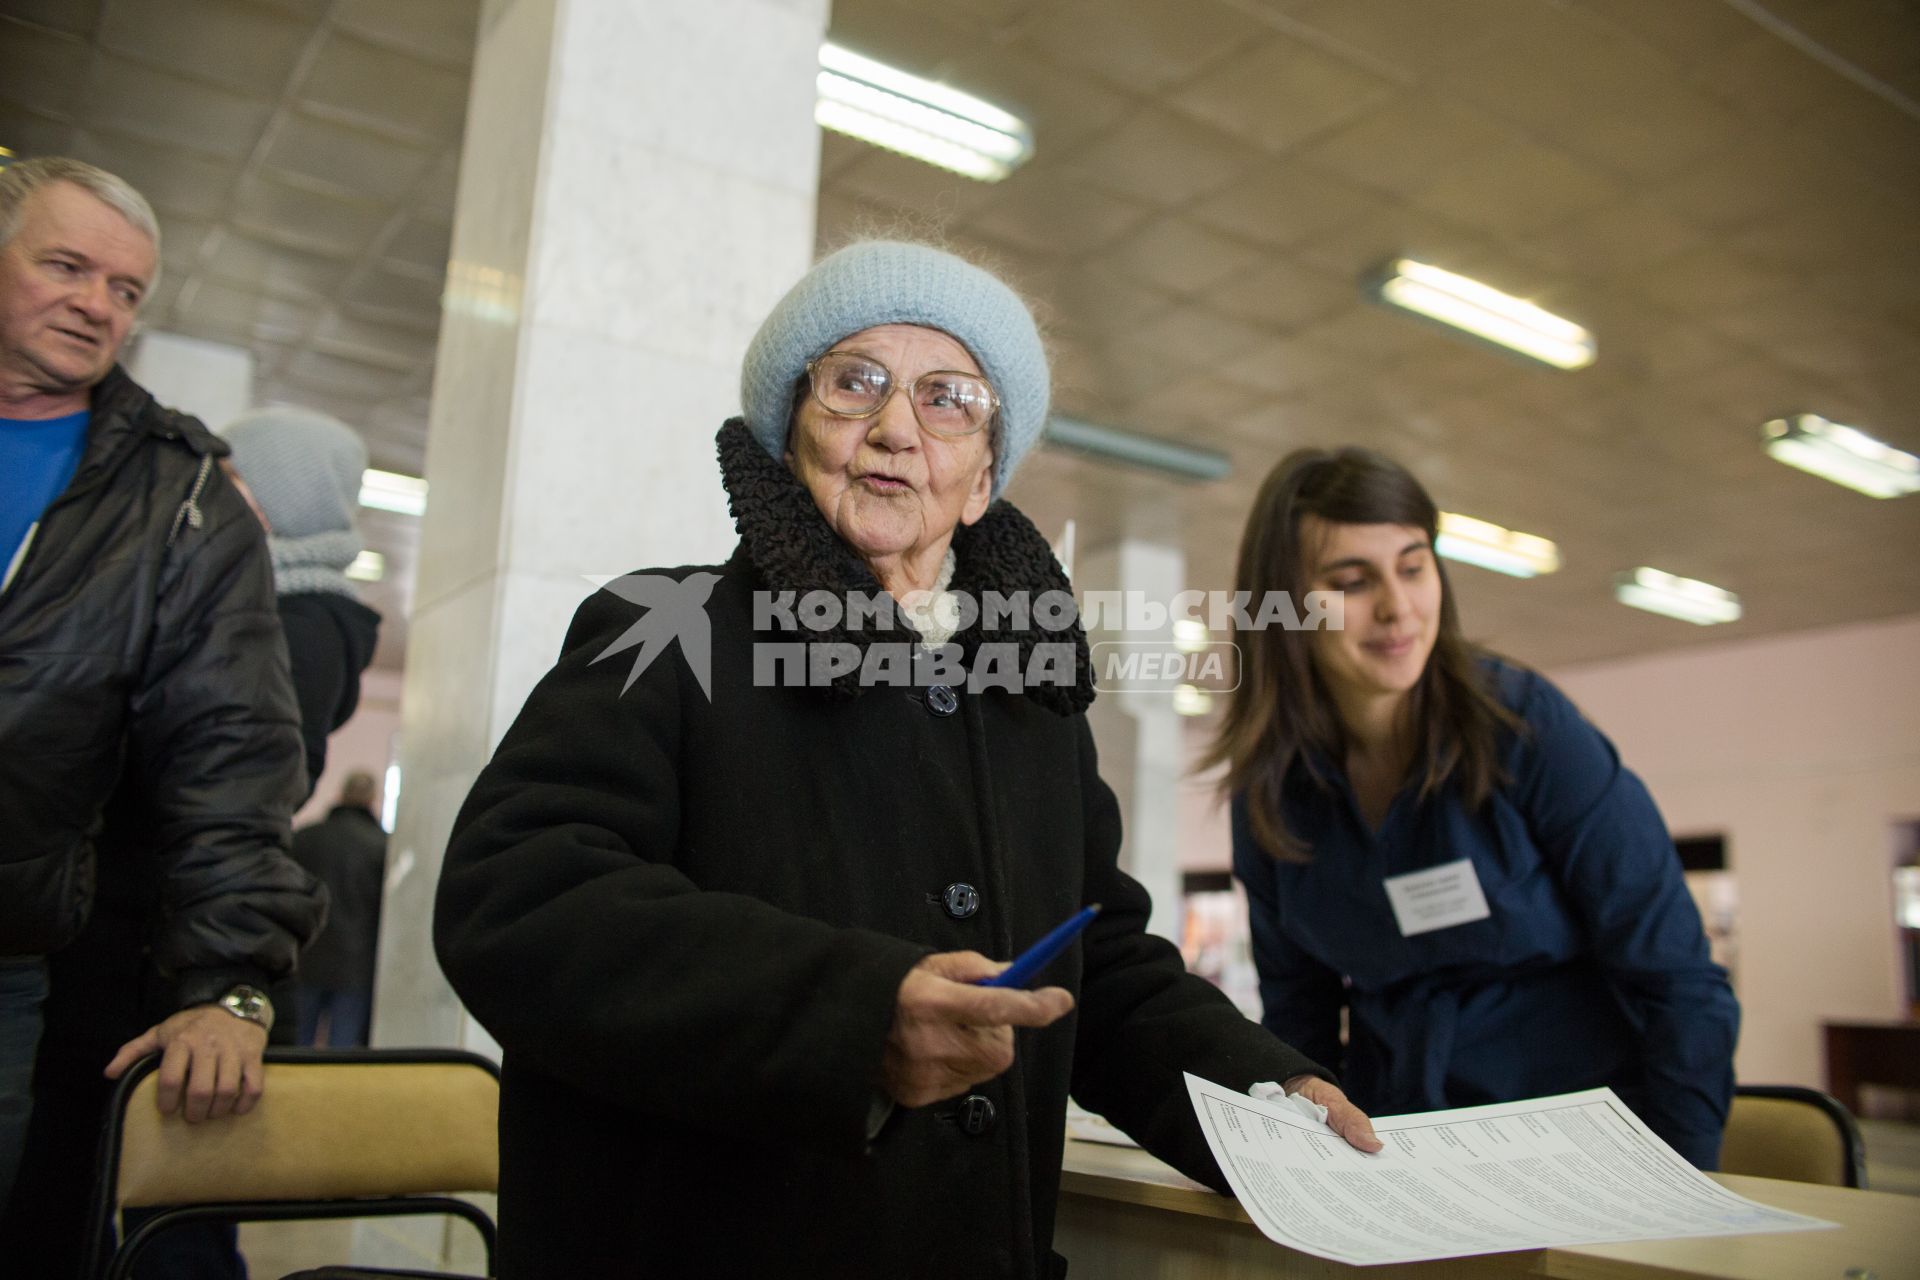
347, 852
140, 661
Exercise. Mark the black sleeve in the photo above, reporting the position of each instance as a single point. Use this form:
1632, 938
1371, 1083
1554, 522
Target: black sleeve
1144, 1021
564, 924
214, 742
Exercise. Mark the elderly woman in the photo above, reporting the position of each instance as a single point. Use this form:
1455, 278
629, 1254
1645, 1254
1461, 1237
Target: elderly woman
729, 930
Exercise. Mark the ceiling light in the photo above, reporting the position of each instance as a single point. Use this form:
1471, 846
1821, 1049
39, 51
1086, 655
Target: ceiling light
1190, 635
389, 491
1481, 542
1683, 598
368, 566
1485, 312
920, 118
1191, 700
1845, 455
1151, 453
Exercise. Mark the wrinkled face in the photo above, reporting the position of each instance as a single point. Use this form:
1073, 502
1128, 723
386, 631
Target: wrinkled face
1390, 585
885, 485
71, 282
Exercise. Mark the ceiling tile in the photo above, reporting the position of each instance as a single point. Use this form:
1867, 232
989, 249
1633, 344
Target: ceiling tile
208, 309
264, 267
1175, 255
1097, 297
436, 30
1193, 335
1280, 93
421, 243
241, 46
1518, 188
322, 372
1064, 108
181, 240
888, 180
29, 133
1414, 39
74, 17
350, 160
173, 180
1280, 203
282, 213
1029, 208
45, 69
1618, 235
1163, 159
1684, 34
391, 291
1407, 144
355, 80
1280, 294
1288, 365
137, 100
1142, 46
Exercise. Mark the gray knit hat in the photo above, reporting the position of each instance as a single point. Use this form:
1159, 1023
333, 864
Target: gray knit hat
880, 282
303, 467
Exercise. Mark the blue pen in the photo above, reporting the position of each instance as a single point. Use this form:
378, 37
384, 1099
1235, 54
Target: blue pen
1041, 954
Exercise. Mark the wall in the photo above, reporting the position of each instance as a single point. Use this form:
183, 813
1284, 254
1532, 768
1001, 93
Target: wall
1804, 751
363, 742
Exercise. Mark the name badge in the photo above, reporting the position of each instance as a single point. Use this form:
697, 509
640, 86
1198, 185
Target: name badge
1437, 898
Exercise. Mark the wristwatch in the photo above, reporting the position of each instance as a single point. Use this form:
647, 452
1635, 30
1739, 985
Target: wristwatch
250, 1003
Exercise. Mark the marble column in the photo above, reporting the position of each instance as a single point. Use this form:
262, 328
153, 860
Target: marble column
210, 380
637, 189
1139, 734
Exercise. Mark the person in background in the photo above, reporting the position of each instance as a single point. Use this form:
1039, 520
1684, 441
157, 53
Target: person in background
141, 668
347, 852
302, 469
729, 933
1434, 841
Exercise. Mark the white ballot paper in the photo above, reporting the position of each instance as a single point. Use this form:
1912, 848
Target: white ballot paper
1575, 1169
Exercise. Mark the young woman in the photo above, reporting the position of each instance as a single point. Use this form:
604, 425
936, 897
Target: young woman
1436, 843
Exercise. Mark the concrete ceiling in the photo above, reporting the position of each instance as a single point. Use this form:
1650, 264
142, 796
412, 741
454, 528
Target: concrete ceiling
1724, 193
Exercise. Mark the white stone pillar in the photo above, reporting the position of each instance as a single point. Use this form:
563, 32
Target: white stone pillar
210, 380
1139, 734
637, 189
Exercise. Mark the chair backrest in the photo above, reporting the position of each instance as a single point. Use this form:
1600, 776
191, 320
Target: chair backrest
1793, 1133
388, 1130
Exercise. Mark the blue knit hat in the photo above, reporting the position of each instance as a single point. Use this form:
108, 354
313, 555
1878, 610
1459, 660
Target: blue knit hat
880, 282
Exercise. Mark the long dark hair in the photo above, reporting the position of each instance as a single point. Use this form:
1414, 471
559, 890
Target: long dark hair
1283, 714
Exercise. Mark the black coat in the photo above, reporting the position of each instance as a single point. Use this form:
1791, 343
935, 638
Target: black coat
686, 921
330, 641
347, 852
140, 650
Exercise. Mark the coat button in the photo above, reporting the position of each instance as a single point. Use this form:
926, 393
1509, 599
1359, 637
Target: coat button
977, 1113
941, 700
961, 900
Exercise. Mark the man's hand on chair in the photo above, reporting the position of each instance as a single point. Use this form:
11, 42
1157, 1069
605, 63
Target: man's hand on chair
210, 1060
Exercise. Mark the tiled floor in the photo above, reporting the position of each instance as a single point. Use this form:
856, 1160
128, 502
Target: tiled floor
275, 1249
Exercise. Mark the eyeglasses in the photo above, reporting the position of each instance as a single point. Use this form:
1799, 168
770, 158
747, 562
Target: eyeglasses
945, 402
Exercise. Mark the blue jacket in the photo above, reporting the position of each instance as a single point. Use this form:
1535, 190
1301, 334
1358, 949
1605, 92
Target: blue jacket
1592, 968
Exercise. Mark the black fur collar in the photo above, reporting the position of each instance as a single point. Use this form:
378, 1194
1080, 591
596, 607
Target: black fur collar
787, 543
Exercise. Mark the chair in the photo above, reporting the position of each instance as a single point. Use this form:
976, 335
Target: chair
1801, 1135
337, 1134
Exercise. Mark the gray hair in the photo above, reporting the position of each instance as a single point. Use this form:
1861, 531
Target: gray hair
24, 177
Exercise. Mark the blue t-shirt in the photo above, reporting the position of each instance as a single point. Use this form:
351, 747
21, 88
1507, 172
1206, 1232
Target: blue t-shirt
1591, 967
37, 459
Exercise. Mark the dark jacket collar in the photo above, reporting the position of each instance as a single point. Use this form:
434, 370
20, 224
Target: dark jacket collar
125, 414
784, 540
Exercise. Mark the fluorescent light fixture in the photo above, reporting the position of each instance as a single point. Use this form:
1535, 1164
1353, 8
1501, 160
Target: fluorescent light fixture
1845, 455
1484, 312
368, 566
1191, 700
1906, 897
1689, 600
1150, 453
390, 491
920, 118
1190, 635
1481, 542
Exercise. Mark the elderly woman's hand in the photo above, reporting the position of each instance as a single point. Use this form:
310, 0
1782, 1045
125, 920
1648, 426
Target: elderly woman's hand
949, 1035
1345, 1119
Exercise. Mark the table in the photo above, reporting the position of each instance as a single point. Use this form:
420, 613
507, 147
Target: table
1885, 1053
1126, 1216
